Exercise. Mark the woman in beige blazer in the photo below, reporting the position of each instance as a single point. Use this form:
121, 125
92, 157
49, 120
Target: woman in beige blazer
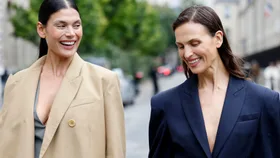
62, 106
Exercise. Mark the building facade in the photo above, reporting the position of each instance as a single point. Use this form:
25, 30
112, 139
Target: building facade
227, 10
260, 30
253, 29
260, 25
16, 52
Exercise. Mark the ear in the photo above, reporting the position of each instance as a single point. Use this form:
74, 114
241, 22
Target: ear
219, 38
41, 30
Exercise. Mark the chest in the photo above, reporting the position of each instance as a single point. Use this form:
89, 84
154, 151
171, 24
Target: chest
46, 92
211, 105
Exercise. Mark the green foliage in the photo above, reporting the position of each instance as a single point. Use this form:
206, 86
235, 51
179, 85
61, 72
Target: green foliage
94, 23
135, 25
129, 29
127, 24
167, 17
24, 22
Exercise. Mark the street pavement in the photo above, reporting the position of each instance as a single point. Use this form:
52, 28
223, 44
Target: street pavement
137, 116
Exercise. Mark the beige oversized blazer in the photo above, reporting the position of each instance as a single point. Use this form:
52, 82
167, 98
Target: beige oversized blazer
86, 119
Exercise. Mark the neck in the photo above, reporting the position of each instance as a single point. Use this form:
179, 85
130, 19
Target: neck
216, 77
56, 66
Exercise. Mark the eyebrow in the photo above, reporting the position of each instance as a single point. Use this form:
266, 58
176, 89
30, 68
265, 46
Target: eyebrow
192, 40
64, 22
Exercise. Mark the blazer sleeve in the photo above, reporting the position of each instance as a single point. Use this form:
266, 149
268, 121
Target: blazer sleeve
160, 143
114, 117
270, 124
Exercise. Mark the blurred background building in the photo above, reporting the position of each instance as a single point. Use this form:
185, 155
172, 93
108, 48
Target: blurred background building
228, 13
16, 52
260, 30
253, 27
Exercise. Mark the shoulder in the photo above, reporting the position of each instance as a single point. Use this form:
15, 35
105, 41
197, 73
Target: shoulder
36, 66
160, 99
98, 72
95, 69
266, 95
95, 72
18, 75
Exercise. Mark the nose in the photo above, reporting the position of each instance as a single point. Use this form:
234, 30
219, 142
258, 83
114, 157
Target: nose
70, 31
187, 52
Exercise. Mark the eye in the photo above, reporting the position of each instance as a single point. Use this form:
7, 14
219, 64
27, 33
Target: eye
61, 26
180, 46
194, 44
76, 26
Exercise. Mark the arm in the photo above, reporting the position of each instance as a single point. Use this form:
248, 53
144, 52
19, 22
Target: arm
160, 143
270, 123
114, 117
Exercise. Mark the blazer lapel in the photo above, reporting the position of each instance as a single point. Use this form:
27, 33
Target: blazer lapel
67, 92
232, 107
193, 113
25, 88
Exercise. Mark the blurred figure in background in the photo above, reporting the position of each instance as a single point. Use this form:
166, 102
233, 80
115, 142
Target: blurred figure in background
137, 79
154, 77
2, 71
271, 76
3, 79
278, 67
255, 71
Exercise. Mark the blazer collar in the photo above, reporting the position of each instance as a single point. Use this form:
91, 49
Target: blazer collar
66, 93
35, 69
231, 109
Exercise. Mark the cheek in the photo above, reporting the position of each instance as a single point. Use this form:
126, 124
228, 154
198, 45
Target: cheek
181, 54
54, 33
79, 33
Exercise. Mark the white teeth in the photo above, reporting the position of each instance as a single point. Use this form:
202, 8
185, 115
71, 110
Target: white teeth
194, 61
68, 43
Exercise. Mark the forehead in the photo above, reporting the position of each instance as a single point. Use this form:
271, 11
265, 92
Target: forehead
65, 15
189, 31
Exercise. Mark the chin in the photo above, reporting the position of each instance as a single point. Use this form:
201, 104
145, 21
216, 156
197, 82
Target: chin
198, 71
67, 54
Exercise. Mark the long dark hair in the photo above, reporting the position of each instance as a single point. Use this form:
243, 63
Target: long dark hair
207, 17
48, 7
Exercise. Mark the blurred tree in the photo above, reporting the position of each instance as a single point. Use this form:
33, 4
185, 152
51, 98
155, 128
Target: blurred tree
112, 28
167, 17
188, 3
129, 24
94, 22
24, 22
135, 26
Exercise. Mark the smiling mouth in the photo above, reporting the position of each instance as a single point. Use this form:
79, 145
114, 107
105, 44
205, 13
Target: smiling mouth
194, 61
67, 43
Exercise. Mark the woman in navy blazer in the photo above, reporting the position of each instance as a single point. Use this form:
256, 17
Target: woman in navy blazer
216, 112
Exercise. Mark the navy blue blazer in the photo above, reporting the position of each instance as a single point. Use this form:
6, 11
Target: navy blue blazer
249, 124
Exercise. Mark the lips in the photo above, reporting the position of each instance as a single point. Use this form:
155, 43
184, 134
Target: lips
194, 62
68, 43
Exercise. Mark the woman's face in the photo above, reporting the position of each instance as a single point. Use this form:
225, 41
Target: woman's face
63, 32
197, 48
